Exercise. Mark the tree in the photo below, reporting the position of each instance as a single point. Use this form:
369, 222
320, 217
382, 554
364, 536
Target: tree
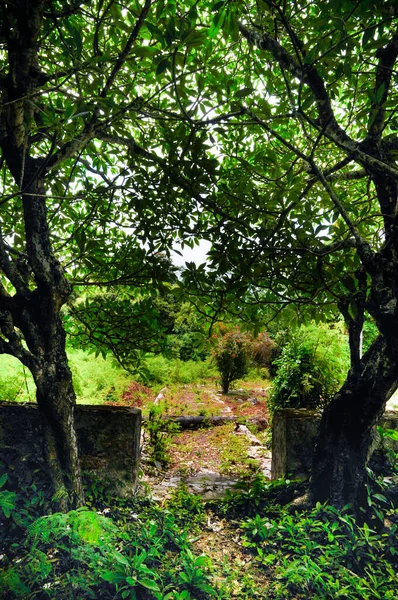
231, 351
266, 127
77, 80
303, 203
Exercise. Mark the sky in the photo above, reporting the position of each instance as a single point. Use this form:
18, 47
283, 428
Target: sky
196, 254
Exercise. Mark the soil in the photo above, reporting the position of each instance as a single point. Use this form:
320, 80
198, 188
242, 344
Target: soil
209, 459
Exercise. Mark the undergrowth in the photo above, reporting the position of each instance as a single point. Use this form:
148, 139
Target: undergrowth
137, 549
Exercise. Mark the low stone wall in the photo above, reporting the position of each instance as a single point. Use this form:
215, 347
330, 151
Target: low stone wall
108, 438
294, 434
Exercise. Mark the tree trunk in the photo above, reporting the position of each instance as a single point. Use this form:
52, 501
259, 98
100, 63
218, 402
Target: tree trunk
347, 426
56, 400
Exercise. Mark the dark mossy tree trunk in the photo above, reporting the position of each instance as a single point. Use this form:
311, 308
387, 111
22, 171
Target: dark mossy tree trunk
347, 428
36, 314
30, 302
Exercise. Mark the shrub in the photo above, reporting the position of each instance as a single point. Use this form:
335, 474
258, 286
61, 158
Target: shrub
160, 435
262, 348
231, 351
164, 371
311, 368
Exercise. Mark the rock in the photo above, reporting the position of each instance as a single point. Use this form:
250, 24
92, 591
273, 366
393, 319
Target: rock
391, 491
160, 396
243, 430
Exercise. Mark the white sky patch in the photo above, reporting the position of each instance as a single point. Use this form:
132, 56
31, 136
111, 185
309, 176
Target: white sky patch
197, 254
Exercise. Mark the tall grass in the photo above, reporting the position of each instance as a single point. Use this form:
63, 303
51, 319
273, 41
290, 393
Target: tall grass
16, 382
161, 370
97, 380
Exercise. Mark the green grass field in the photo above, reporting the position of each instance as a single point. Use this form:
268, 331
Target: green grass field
97, 380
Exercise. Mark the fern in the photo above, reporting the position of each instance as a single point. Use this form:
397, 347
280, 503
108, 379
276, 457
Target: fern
77, 526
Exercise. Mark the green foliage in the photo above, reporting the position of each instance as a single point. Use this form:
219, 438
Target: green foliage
96, 379
324, 554
136, 549
16, 382
161, 432
188, 509
164, 371
24, 493
370, 333
247, 498
389, 439
193, 576
262, 348
185, 339
311, 368
123, 322
231, 352
139, 551
7, 498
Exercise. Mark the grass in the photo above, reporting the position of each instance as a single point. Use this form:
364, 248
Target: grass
16, 382
98, 380
95, 380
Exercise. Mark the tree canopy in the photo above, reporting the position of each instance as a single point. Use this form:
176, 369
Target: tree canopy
267, 127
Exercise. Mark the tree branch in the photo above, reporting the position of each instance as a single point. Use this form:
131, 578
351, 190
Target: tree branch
387, 57
128, 46
306, 73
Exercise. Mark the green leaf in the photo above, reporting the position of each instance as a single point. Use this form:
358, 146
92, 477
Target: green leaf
113, 576
242, 93
381, 498
195, 38
162, 66
121, 559
149, 584
367, 36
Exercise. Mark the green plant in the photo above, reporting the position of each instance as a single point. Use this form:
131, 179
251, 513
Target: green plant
130, 574
324, 554
252, 497
231, 352
188, 509
193, 575
389, 451
7, 498
160, 432
165, 371
311, 368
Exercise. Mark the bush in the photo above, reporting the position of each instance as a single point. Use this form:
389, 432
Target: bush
137, 551
311, 368
262, 349
164, 371
231, 350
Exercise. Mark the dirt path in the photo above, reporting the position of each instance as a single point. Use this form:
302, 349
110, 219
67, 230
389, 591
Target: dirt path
208, 460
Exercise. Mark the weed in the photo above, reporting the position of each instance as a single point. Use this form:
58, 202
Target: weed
324, 554
161, 432
187, 508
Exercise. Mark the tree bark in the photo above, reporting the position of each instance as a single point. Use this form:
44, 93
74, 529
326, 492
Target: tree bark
347, 426
56, 400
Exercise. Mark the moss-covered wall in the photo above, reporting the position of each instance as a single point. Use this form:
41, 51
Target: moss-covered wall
294, 434
108, 437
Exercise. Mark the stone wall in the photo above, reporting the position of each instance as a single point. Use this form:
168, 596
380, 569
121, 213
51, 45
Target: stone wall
294, 434
108, 438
